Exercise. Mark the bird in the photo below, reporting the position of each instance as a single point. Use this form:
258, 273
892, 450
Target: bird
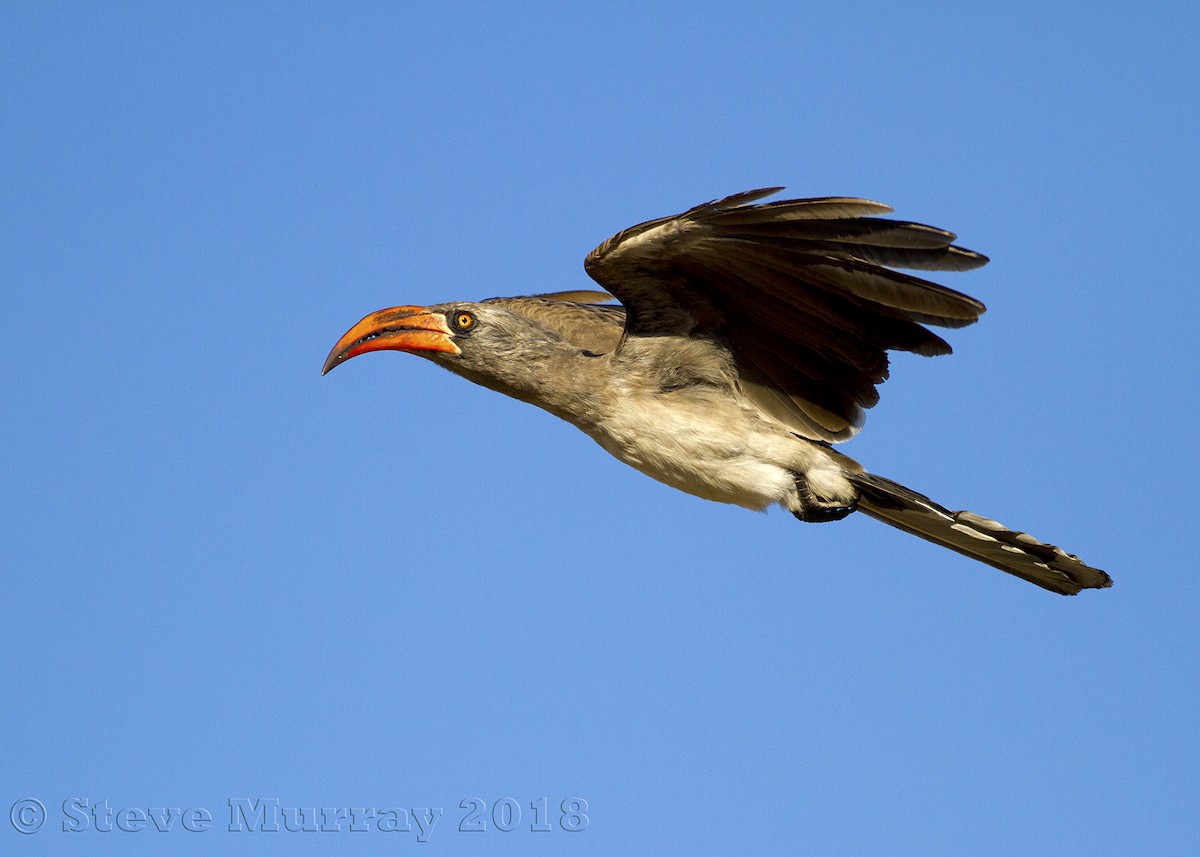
749, 338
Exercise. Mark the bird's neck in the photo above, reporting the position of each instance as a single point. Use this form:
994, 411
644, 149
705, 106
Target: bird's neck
571, 384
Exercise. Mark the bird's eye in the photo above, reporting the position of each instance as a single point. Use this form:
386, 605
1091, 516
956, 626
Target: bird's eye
463, 321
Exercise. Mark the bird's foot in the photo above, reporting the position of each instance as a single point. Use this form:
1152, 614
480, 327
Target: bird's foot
819, 510
823, 514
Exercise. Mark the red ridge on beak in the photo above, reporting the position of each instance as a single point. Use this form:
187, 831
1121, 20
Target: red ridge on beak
400, 328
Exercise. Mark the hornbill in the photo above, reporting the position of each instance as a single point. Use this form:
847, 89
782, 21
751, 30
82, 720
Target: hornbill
750, 337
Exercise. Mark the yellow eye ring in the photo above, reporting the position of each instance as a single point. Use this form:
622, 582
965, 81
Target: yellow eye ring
464, 321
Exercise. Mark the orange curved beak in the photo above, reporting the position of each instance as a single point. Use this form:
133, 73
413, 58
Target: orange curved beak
398, 328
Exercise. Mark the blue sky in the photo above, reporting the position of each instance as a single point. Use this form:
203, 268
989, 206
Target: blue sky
229, 578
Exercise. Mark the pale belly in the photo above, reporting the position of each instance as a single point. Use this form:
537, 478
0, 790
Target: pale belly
706, 447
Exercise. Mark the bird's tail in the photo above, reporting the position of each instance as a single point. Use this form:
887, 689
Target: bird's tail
977, 537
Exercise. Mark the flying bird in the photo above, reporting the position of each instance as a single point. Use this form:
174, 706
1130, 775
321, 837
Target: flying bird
749, 338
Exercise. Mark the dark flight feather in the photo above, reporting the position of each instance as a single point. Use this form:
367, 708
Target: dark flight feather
804, 292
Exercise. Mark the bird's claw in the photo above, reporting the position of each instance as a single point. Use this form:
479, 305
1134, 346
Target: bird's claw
823, 514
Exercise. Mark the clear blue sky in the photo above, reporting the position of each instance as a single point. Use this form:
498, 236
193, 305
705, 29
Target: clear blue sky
227, 577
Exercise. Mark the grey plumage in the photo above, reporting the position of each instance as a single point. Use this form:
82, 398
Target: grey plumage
749, 337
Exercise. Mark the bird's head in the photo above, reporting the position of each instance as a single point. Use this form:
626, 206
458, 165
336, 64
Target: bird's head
488, 342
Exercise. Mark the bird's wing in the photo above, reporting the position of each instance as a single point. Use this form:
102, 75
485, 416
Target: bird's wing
803, 293
579, 317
